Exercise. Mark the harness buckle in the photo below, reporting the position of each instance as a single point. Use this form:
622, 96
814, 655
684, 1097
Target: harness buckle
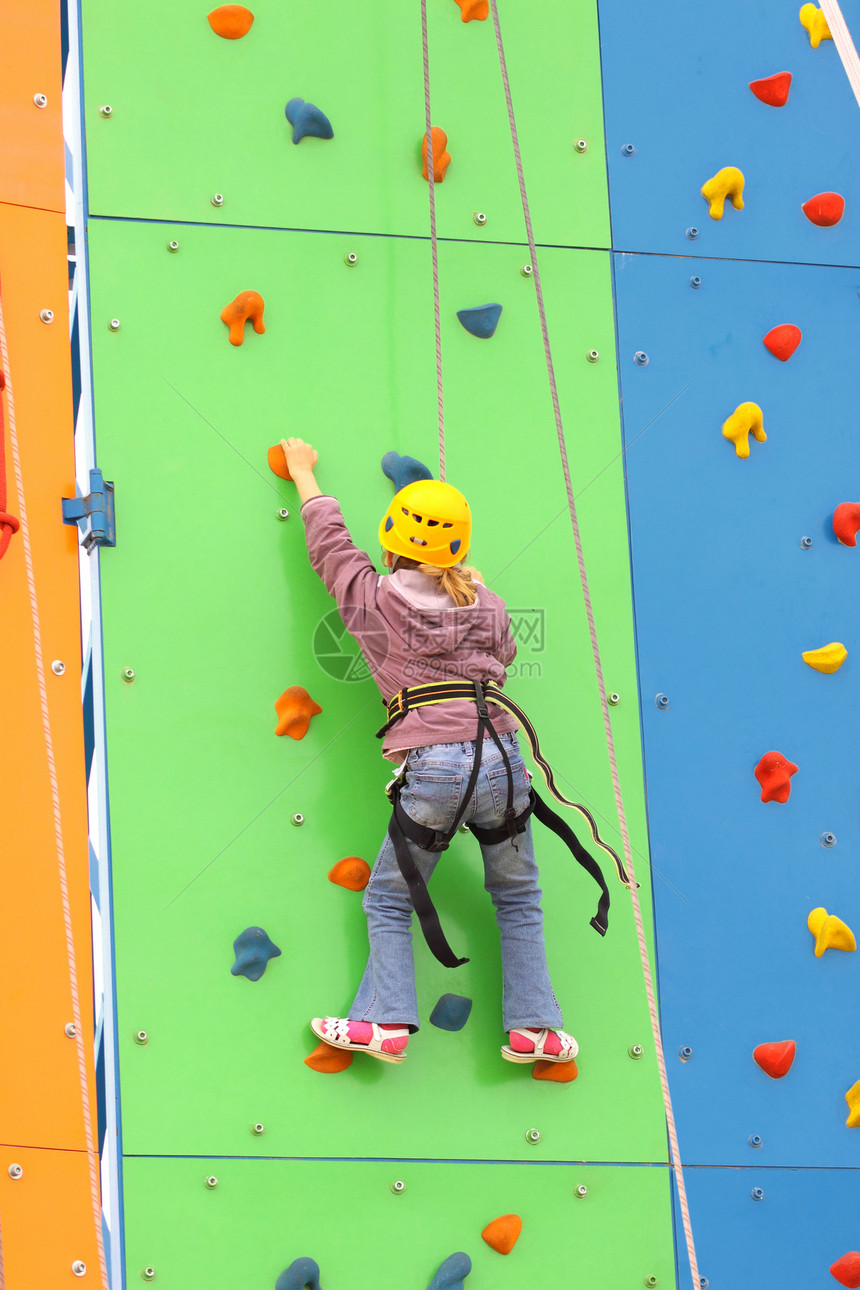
481, 701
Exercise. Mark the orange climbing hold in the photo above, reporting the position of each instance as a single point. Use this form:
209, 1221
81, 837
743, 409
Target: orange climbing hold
441, 158
773, 90
824, 209
503, 1233
278, 462
232, 21
351, 872
846, 522
248, 306
775, 1059
295, 708
774, 773
558, 1072
847, 1270
474, 10
782, 341
329, 1060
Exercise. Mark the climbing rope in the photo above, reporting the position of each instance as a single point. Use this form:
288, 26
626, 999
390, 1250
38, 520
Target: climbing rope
843, 42
433, 248
595, 649
12, 525
8, 523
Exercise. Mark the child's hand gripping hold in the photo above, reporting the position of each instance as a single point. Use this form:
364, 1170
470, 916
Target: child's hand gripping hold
301, 460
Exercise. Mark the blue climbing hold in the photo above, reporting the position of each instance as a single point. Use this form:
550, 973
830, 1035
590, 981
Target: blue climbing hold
451, 1012
253, 950
481, 322
452, 1272
307, 120
302, 1274
404, 470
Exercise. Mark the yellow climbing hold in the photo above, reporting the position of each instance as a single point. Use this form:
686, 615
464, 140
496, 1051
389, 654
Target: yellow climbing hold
830, 932
852, 1097
815, 23
827, 659
728, 182
747, 419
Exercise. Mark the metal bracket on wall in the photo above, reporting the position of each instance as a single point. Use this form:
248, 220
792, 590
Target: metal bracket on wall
94, 514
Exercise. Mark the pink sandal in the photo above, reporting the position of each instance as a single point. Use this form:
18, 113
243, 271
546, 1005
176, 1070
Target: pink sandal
386, 1044
545, 1045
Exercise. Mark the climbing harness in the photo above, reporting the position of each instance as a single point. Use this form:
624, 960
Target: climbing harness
402, 826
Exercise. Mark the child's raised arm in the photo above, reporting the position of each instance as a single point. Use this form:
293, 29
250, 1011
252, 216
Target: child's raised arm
301, 459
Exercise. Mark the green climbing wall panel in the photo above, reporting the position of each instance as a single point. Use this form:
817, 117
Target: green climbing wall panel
194, 115
210, 599
265, 1213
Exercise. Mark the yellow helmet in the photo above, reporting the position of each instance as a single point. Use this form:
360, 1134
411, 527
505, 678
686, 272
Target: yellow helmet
428, 521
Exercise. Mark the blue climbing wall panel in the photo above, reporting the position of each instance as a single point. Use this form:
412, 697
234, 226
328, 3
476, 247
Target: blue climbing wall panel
727, 599
676, 88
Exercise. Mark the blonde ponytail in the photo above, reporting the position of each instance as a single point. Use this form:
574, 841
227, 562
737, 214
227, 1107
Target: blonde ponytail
459, 581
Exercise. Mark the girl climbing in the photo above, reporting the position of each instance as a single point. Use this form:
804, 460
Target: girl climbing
432, 620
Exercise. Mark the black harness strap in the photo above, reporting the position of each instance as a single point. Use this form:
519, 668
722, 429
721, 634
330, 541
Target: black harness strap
402, 826
420, 897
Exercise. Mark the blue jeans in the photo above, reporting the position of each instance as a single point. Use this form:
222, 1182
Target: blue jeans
437, 777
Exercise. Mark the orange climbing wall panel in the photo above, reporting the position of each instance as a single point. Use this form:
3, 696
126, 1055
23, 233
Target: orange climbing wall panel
32, 169
51, 1214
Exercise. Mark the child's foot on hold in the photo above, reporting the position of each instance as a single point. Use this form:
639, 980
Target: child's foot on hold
387, 1042
533, 1043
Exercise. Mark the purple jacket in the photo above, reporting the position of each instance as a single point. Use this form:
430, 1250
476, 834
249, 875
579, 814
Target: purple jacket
410, 633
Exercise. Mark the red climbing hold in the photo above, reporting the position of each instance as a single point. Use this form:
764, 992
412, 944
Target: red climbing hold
775, 1059
351, 872
295, 708
825, 209
847, 1269
278, 462
441, 158
846, 522
773, 89
782, 341
774, 773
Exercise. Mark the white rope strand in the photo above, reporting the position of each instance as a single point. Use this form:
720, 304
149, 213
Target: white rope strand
844, 44
616, 784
